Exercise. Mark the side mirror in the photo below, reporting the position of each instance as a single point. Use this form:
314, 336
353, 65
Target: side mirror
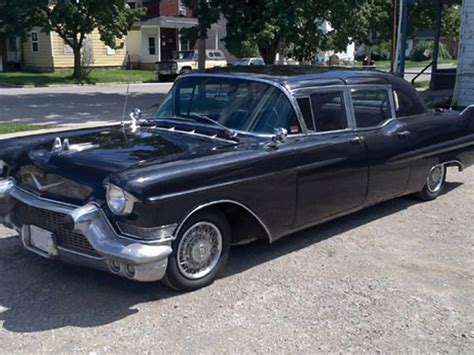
281, 135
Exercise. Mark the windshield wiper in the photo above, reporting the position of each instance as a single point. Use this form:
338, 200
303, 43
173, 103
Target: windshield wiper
230, 132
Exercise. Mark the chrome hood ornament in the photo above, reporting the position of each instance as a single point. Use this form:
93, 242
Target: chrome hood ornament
65, 146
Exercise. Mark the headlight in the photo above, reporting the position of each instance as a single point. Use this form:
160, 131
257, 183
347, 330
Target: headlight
119, 201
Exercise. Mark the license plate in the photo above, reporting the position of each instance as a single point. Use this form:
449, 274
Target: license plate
165, 72
40, 239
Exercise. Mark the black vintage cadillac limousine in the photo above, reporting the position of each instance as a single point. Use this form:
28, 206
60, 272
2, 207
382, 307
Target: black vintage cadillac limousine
228, 158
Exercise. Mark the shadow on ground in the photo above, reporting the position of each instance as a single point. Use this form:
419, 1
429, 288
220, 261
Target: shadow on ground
38, 295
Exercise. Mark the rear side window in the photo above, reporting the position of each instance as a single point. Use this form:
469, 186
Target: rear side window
329, 111
405, 105
371, 106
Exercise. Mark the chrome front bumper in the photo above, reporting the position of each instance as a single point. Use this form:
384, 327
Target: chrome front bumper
137, 260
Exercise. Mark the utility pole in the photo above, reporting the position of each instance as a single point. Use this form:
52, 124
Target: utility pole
394, 36
402, 37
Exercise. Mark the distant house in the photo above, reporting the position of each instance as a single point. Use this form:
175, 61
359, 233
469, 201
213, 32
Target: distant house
464, 91
157, 36
48, 52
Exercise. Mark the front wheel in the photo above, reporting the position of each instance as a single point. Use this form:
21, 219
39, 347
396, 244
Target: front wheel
434, 183
200, 251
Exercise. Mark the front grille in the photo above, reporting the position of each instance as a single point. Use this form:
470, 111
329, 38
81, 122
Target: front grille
53, 222
166, 66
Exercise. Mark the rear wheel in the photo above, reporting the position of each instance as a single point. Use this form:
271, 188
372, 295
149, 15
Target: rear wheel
200, 251
434, 183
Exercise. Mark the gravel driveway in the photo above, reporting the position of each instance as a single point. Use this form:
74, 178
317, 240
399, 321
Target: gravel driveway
398, 277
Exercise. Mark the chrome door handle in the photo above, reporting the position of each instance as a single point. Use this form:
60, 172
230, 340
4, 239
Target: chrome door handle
357, 140
404, 133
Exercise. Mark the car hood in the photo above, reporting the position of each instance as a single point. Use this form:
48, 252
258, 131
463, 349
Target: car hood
94, 155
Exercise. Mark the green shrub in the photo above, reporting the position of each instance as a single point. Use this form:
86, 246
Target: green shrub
418, 53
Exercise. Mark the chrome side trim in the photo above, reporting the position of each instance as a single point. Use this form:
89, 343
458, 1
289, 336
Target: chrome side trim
466, 109
200, 207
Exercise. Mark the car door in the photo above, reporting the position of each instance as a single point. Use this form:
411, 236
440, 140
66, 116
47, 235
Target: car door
386, 137
332, 166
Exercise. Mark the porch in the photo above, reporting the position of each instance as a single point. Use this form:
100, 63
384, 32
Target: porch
157, 39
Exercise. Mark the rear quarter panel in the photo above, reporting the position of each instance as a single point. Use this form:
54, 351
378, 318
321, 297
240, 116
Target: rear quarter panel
439, 138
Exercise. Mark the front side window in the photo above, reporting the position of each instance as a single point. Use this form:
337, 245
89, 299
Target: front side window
243, 105
371, 106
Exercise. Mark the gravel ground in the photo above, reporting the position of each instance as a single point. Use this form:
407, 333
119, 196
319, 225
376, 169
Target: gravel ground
397, 277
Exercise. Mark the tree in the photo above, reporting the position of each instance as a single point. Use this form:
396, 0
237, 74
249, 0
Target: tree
365, 22
274, 25
423, 17
72, 20
207, 13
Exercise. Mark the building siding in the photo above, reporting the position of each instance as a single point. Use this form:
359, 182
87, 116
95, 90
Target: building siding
464, 92
64, 58
41, 60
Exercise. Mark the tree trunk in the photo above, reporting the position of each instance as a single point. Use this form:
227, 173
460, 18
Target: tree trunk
202, 52
268, 54
77, 63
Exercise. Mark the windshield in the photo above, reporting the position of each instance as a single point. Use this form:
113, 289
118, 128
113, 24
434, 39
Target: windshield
238, 104
244, 61
187, 55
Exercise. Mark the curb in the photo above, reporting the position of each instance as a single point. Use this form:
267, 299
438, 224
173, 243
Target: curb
13, 86
58, 129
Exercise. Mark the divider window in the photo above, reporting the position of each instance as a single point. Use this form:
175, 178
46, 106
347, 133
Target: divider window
371, 106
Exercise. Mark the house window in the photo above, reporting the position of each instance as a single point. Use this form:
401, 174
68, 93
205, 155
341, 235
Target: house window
185, 45
34, 42
110, 50
182, 8
152, 45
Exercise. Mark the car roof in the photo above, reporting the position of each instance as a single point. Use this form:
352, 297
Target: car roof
298, 76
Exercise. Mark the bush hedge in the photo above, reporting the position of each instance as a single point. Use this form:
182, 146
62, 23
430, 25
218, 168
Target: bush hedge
418, 53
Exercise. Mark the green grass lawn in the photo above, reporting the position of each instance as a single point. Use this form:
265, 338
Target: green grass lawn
422, 85
6, 128
96, 76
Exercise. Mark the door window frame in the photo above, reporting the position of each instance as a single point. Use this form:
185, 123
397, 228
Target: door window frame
305, 93
391, 103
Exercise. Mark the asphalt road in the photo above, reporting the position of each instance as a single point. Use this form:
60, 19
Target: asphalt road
395, 278
77, 104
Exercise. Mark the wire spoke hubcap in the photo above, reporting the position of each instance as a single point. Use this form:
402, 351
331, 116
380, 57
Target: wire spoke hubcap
199, 250
435, 178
